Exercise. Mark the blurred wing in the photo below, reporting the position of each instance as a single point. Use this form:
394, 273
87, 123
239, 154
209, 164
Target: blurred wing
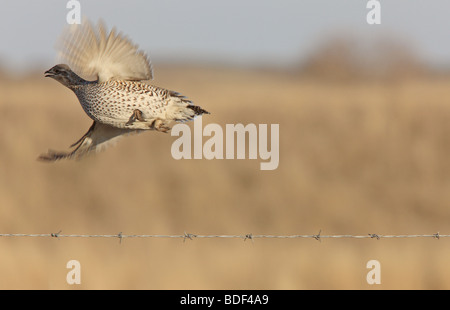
97, 138
94, 54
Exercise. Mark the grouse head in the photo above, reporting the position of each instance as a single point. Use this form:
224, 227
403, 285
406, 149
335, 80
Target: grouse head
63, 74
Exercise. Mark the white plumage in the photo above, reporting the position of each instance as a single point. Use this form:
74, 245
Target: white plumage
97, 55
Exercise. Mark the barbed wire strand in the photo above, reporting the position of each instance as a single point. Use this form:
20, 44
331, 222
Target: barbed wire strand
245, 237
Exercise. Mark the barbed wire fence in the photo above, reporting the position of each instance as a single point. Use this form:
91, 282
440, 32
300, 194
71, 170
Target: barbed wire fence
187, 236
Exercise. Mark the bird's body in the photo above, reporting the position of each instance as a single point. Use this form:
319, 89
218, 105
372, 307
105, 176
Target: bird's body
121, 100
114, 102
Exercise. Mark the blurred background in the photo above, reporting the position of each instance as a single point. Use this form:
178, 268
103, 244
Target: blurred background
364, 115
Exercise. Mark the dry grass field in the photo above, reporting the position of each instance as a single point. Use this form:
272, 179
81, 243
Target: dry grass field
356, 157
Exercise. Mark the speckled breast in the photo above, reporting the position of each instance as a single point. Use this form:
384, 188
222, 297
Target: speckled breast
114, 102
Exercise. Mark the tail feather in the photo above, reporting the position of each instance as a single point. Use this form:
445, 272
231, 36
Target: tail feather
197, 110
182, 109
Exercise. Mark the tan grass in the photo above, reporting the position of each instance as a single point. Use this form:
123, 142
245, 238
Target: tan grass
355, 158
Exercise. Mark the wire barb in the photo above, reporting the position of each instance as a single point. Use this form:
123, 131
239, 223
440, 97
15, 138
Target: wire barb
56, 235
317, 237
374, 236
248, 236
188, 236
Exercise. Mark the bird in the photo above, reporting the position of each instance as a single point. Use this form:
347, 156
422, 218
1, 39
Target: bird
111, 78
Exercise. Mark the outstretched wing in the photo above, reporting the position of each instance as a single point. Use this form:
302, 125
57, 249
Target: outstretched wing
97, 138
94, 54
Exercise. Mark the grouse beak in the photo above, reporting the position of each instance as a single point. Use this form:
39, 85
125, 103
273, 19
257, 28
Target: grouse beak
48, 73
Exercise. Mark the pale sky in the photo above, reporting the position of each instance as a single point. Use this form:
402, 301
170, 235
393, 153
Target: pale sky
278, 32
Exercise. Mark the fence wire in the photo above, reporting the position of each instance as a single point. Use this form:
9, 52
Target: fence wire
244, 237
